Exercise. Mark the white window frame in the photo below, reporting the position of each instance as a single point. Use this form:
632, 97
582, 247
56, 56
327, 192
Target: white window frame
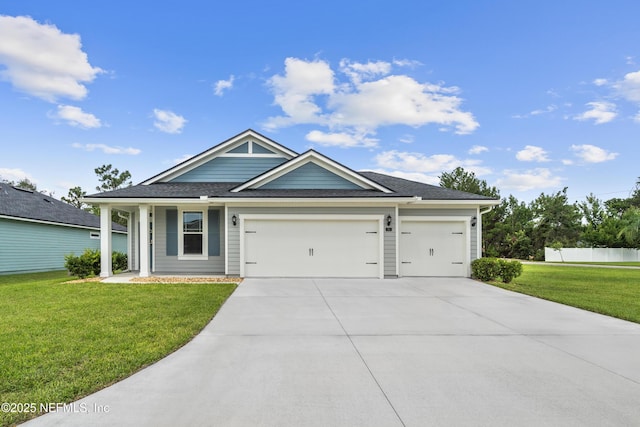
205, 234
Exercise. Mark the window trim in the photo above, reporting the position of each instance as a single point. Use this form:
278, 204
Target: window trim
205, 233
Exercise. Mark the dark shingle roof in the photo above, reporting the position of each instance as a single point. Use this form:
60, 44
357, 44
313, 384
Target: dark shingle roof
25, 204
401, 188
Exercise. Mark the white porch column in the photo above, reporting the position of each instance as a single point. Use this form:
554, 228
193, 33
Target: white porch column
106, 269
129, 240
144, 241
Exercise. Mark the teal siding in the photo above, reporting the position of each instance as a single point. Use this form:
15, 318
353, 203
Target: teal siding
259, 149
230, 169
27, 246
244, 148
311, 176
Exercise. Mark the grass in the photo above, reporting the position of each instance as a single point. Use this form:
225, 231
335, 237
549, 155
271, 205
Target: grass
614, 292
60, 342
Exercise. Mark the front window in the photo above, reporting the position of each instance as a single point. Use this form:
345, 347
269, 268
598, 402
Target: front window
192, 230
193, 233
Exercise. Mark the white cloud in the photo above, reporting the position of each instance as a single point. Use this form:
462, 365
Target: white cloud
549, 109
532, 153
107, 149
600, 82
477, 149
592, 154
600, 112
15, 174
42, 61
366, 98
358, 72
629, 87
221, 85
420, 163
411, 63
340, 139
539, 178
567, 162
76, 117
407, 139
295, 92
636, 118
168, 121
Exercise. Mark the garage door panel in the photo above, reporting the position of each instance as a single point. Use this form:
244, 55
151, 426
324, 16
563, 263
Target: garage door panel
312, 248
433, 248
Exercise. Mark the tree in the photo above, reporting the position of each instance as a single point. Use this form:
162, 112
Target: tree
112, 179
24, 183
74, 196
461, 180
631, 227
555, 220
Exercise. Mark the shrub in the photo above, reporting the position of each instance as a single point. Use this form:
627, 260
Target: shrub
485, 269
489, 269
119, 261
509, 270
88, 263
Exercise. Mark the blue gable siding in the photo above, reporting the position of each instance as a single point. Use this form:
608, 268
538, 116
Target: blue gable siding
29, 246
230, 169
259, 149
311, 176
244, 148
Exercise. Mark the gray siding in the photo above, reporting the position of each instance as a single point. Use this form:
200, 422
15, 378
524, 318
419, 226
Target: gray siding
171, 264
234, 231
28, 246
230, 169
466, 213
311, 176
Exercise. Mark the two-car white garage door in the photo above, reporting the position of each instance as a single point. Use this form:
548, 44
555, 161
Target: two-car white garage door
312, 247
351, 246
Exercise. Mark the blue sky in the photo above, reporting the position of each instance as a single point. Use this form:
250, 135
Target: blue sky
532, 96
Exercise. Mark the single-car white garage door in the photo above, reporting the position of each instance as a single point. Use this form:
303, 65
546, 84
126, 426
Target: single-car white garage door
311, 247
433, 248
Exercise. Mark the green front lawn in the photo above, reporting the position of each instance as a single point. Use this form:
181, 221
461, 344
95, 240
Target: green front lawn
614, 292
620, 264
60, 342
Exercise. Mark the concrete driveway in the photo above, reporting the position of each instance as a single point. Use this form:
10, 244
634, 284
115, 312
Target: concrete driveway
412, 352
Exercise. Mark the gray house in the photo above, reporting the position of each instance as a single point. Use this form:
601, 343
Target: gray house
251, 207
37, 231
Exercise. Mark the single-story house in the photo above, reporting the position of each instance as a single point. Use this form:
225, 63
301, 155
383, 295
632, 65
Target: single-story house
251, 207
37, 231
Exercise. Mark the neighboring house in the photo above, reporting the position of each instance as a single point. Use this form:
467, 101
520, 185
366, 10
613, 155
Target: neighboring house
37, 231
251, 207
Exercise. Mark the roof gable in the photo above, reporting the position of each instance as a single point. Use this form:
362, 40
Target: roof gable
311, 170
254, 150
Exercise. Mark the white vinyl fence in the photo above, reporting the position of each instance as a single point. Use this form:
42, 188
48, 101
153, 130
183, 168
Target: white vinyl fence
591, 255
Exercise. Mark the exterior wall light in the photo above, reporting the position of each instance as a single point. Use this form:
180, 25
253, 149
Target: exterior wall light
389, 220
474, 221
234, 220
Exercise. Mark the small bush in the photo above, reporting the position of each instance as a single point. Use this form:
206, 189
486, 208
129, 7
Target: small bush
119, 261
485, 269
88, 264
489, 269
509, 270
